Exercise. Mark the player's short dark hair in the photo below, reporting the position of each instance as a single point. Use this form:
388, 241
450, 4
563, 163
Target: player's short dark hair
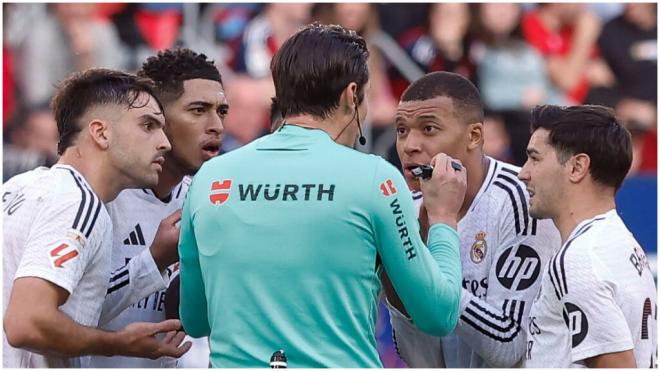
593, 130
171, 67
315, 65
464, 95
97, 86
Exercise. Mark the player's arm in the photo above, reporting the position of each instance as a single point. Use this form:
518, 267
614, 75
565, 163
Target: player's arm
427, 280
55, 258
34, 322
145, 273
625, 359
192, 298
600, 334
494, 326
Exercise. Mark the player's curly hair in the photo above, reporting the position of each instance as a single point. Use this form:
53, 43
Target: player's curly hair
171, 67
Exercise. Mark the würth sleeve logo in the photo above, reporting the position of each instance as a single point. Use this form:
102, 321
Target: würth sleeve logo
220, 192
62, 254
387, 188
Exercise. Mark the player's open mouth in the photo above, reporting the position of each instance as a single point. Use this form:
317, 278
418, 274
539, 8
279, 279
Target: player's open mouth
407, 167
211, 150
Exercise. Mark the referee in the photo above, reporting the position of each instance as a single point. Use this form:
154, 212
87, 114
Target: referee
283, 240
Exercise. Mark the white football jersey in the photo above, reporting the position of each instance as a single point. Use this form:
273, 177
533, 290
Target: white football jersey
597, 296
136, 215
55, 228
502, 251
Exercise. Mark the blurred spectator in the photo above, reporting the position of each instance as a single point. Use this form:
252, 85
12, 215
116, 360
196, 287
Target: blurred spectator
249, 113
264, 35
496, 139
230, 20
8, 90
566, 34
641, 119
69, 39
33, 143
441, 45
146, 28
629, 45
363, 18
511, 75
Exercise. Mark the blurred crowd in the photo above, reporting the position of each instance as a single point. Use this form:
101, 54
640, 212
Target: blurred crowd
518, 55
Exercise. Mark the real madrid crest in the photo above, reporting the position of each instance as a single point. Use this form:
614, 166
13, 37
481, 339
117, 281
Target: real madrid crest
479, 248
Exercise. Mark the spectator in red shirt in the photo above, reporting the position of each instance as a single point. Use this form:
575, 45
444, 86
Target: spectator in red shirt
566, 35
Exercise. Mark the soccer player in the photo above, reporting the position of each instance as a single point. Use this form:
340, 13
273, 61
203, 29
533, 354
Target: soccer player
283, 240
597, 303
503, 249
57, 231
190, 88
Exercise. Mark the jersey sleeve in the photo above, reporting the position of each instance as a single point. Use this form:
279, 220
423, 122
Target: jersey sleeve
192, 303
494, 326
129, 284
596, 323
427, 280
61, 244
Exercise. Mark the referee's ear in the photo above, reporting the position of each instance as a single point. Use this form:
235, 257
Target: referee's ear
578, 167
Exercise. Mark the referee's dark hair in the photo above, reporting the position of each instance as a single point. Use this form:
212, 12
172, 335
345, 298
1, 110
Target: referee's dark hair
592, 130
97, 86
171, 67
315, 65
468, 107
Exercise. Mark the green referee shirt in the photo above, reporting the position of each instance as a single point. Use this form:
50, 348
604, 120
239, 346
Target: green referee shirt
282, 244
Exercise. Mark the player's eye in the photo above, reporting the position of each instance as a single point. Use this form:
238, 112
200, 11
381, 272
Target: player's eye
223, 111
430, 129
198, 110
401, 130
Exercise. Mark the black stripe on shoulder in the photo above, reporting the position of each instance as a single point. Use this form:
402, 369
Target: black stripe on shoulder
510, 171
582, 230
514, 204
417, 195
521, 195
178, 193
534, 226
117, 287
552, 280
88, 224
83, 201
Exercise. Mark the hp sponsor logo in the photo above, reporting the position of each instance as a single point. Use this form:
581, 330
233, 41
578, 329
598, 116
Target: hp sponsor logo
577, 323
518, 267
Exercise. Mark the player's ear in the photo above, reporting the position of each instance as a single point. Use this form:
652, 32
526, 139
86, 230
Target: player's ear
475, 135
99, 133
579, 167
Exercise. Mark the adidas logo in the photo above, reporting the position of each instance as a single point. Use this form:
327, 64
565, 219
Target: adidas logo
136, 237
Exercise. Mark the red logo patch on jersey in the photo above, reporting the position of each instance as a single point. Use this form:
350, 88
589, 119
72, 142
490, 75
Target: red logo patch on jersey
220, 192
61, 259
387, 188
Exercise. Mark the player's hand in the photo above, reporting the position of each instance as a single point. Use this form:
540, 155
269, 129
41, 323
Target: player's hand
141, 340
164, 249
444, 192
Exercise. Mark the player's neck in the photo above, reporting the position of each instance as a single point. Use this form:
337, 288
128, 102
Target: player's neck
105, 184
477, 169
168, 179
582, 206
